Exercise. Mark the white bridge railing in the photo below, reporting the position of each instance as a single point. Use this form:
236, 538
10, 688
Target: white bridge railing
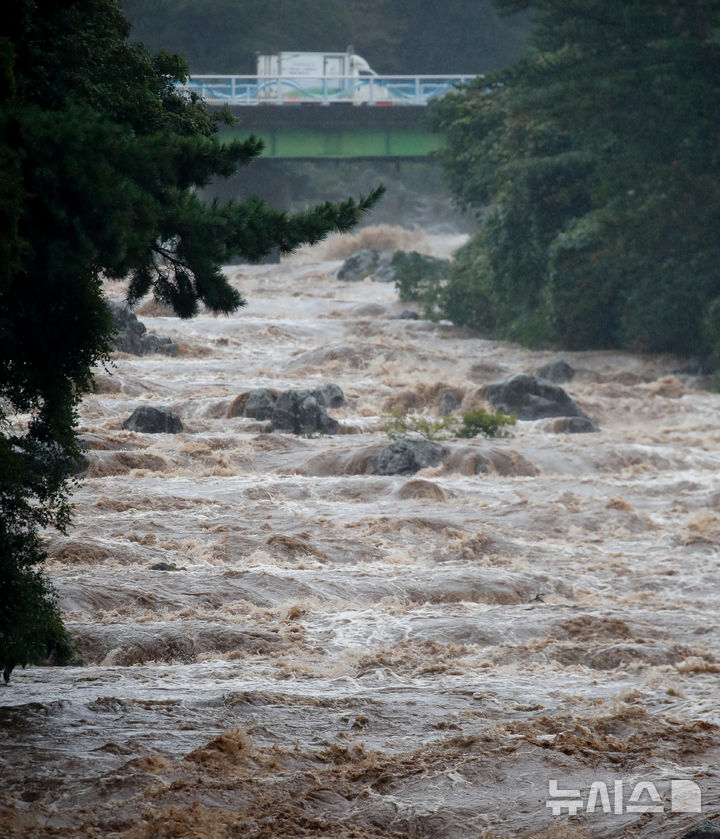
281, 90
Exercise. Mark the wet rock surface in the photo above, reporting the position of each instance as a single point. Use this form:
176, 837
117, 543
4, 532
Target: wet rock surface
260, 404
131, 335
367, 263
531, 398
329, 395
148, 419
300, 412
556, 371
405, 456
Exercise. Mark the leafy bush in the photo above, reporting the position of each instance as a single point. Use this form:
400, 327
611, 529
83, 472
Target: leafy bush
398, 424
594, 169
31, 628
421, 279
33, 494
468, 296
488, 424
470, 424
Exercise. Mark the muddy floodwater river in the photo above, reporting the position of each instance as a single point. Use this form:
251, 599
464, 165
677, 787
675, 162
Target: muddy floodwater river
335, 653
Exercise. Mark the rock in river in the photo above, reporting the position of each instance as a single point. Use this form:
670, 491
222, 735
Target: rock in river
556, 371
260, 403
132, 337
329, 395
405, 456
530, 398
366, 263
300, 412
149, 420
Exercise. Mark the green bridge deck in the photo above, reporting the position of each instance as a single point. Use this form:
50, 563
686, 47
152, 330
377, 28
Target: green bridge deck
313, 132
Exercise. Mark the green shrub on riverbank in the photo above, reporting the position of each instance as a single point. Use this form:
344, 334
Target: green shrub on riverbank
595, 170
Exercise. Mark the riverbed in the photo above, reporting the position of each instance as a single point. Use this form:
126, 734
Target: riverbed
334, 653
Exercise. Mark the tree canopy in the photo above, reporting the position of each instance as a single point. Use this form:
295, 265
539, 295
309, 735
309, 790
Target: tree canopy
100, 158
593, 166
220, 36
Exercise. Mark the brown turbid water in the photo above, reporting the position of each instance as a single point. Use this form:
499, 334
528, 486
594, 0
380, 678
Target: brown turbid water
341, 654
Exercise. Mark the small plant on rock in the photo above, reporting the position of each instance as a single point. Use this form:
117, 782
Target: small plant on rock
402, 425
486, 423
471, 424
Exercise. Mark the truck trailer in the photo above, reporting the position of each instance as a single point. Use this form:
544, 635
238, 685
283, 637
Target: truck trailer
285, 77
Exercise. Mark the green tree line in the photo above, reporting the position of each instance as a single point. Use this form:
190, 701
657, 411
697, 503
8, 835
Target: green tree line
100, 157
223, 36
593, 165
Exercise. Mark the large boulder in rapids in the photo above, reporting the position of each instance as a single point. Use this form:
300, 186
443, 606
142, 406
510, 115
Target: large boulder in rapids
530, 398
149, 420
556, 371
329, 395
300, 412
260, 403
405, 456
131, 335
366, 263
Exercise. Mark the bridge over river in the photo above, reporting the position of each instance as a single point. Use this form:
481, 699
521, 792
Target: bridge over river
338, 117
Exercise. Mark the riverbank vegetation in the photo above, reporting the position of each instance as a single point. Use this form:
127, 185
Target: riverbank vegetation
594, 168
218, 36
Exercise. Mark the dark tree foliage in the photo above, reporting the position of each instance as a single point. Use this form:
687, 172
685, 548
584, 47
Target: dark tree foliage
593, 165
456, 36
220, 36
99, 157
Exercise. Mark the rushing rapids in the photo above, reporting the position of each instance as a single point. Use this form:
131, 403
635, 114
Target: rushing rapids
333, 653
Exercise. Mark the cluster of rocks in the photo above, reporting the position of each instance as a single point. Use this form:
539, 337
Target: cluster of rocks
304, 411
298, 411
383, 266
528, 396
131, 335
367, 263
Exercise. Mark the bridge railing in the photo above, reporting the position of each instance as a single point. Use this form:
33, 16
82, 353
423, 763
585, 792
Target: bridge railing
285, 90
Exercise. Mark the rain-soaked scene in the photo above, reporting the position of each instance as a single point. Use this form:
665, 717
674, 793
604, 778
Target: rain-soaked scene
422, 539
279, 641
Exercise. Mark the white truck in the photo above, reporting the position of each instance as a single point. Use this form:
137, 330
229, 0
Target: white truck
285, 77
